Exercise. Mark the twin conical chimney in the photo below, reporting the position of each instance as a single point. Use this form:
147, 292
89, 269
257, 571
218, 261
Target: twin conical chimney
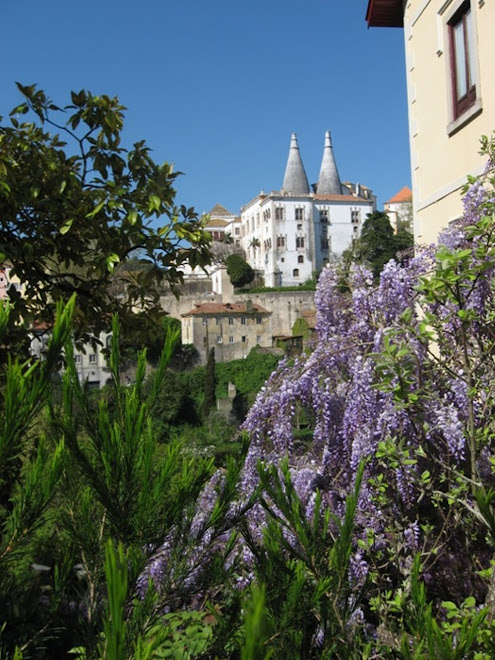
295, 179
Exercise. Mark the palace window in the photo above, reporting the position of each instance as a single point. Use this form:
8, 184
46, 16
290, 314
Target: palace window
462, 59
324, 216
231, 339
299, 214
300, 259
219, 339
92, 358
259, 320
355, 216
324, 244
280, 241
295, 272
299, 241
231, 320
243, 320
279, 213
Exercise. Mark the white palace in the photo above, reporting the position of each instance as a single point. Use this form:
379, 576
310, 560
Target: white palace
289, 234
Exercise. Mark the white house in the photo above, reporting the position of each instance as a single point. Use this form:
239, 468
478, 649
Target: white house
399, 208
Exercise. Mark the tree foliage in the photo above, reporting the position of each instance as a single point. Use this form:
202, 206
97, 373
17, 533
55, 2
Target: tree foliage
378, 243
239, 271
75, 204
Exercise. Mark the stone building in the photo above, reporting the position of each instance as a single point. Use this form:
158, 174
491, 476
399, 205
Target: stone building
291, 233
232, 328
90, 361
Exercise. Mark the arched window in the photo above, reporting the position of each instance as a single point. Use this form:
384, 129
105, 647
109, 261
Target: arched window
295, 272
300, 259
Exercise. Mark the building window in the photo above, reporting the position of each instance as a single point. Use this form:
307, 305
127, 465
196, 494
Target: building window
324, 216
280, 241
231, 339
219, 339
324, 244
237, 231
300, 259
231, 320
92, 358
77, 359
243, 339
279, 213
295, 272
462, 59
299, 241
205, 321
205, 342
299, 214
259, 320
243, 320
217, 321
258, 339
355, 216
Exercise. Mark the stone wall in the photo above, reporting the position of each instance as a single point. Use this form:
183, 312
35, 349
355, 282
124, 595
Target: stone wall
285, 307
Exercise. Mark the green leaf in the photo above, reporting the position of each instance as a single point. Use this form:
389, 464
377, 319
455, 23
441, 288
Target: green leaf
111, 260
66, 226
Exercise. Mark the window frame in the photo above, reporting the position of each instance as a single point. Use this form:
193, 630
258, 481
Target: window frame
461, 104
449, 14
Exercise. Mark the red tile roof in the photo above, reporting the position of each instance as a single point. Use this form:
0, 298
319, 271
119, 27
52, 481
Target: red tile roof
217, 222
217, 309
343, 198
218, 209
404, 195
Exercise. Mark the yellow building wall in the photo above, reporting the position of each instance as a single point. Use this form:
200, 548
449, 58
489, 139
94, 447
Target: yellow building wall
443, 153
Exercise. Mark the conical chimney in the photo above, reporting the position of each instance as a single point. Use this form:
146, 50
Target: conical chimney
295, 179
329, 180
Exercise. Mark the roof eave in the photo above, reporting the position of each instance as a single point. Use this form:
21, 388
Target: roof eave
385, 13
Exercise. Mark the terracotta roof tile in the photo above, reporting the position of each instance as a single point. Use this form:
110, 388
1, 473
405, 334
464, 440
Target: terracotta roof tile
218, 209
342, 198
225, 308
404, 195
217, 222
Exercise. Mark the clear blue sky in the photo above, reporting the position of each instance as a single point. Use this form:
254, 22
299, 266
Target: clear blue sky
217, 87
